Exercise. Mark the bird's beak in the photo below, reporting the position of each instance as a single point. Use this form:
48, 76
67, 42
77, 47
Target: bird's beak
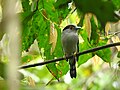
78, 27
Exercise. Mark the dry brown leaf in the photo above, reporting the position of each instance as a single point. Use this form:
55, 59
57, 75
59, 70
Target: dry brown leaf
107, 27
96, 60
116, 39
95, 19
31, 82
53, 37
44, 13
88, 24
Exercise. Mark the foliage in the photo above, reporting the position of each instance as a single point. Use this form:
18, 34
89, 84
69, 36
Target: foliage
43, 20
38, 25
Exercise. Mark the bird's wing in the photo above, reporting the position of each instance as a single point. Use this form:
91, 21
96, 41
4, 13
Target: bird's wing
77, 49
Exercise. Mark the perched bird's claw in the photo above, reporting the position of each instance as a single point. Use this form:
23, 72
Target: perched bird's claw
66, 57
75, 55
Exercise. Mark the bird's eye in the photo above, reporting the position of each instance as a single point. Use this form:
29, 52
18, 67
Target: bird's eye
71, 27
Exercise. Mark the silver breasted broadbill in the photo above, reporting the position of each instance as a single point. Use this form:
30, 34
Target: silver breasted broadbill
70, 41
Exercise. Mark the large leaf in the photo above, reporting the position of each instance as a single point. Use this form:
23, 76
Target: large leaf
84, 46
104, 54
103, 9
26, 5
118, 55
94, 39
116, 3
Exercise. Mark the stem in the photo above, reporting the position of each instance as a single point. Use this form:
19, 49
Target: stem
78, 54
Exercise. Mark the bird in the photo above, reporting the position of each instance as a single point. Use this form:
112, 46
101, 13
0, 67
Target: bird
70, 45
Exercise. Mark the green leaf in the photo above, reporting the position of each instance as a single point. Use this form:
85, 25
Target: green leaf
28, 58
94, 39
118, 55
26, 17
84, 46
104, 54
2, 70
116, 3
53, 70
62, 3
103, 9
63, 68
62, 10
84, 58
28, 36
26, 5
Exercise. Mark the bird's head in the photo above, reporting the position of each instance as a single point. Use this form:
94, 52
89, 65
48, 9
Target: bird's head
71, 27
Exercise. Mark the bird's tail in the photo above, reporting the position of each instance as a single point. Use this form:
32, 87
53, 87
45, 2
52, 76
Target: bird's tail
72, 62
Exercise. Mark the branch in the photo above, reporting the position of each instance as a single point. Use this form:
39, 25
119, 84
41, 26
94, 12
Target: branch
77, 54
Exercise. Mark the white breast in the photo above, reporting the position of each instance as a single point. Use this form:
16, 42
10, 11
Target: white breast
69, 41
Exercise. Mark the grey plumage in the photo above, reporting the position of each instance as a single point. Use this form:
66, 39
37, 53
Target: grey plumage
69, 41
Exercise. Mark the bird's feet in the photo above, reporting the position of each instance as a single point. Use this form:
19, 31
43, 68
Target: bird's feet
66, 57
75, 55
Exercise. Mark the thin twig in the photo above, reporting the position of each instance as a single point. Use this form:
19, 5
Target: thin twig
73, 10
77, 54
